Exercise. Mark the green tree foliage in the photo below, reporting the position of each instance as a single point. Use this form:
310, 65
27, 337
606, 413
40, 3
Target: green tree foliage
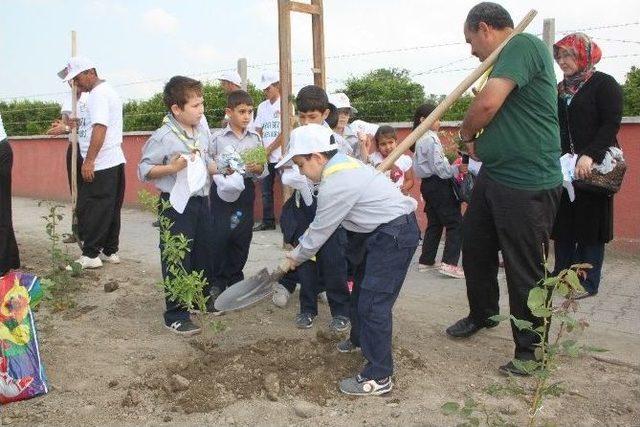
147, 115
384, 95
25, 117
631, 91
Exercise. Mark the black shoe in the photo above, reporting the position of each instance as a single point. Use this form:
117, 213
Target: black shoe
213, 294
304, 320
466, 327
261, 226
511, 369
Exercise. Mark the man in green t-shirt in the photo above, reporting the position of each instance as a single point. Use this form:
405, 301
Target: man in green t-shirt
517, 192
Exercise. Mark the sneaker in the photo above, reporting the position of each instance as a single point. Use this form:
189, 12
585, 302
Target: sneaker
323, 297
452, 271
186, 328
346, 346
86, 262
70, 238
281, 296
261, 226
583, 295
359, 386
339, 323
304, 320
111, 259
426, 267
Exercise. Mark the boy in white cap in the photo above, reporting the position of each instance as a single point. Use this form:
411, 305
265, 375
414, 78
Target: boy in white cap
267, 124
163, 157
230, 81
100, 139
232, 212
366, 203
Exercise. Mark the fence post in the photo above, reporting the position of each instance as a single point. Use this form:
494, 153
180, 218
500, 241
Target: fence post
242, 71
549, 32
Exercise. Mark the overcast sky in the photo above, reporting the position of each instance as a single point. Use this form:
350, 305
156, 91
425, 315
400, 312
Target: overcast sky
139, 44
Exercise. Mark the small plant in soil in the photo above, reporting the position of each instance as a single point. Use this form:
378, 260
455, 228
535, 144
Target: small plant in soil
553, 301
58, 283
474, 414
186, 288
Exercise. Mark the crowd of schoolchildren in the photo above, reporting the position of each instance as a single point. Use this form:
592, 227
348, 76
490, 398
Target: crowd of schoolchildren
221, 212
352, 230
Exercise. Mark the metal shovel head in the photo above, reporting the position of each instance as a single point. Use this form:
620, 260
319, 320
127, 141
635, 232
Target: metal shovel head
246, 292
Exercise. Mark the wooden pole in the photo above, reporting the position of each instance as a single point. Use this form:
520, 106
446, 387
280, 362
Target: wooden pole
284, 37
242, 71
317, 31
452, 97
549, 32
74, 148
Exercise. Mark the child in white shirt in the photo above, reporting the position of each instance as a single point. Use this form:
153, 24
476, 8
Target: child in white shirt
401, 174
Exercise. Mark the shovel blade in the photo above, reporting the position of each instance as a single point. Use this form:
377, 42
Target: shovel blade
246, 292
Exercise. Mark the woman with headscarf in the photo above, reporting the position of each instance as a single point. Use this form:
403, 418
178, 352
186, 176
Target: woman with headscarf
9, 257
589, 111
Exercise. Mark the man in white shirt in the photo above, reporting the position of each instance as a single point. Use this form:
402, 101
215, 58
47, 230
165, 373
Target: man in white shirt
100, 140
267, 124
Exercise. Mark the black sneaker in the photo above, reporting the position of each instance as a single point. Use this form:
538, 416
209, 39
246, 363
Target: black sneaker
339, 324
213, 294
186, 328
304, 320
346, 346
261, 226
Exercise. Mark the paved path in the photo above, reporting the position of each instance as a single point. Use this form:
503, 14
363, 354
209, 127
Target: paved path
614, 314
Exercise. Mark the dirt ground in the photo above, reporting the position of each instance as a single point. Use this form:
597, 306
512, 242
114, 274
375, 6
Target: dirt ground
111, 362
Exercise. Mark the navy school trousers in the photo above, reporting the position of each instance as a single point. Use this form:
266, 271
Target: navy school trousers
195, 224
232, 233
381, 260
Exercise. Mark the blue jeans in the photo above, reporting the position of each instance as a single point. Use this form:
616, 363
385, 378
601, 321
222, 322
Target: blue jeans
268, 182
570, 252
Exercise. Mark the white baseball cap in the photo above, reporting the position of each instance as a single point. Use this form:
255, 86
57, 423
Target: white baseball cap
231, 76
307, 139
268, 78
341, 100
229, 187
75, 66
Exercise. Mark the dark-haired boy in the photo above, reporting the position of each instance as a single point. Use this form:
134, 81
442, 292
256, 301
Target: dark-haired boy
367, 204
180, 142
312, 105
233, 217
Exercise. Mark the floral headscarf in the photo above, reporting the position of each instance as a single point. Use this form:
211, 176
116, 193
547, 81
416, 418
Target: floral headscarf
586, 53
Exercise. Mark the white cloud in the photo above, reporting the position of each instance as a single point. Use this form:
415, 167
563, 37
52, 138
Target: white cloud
104, 8
159, 20
200, 53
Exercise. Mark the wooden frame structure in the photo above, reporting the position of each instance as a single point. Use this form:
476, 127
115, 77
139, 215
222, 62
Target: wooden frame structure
315, 9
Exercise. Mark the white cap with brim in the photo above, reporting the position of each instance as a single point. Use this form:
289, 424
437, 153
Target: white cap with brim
229, 187
268, 78
231, 76
75, 66
311, 138
341, 100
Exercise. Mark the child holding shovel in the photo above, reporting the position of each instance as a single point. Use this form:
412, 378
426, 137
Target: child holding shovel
369, 205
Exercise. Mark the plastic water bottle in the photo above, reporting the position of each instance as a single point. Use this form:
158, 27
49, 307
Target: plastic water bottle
235, 219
